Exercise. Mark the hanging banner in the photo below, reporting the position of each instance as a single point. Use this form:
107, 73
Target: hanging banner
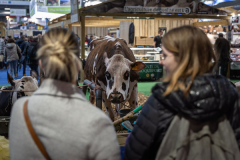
74, 11
52, 6
18, 12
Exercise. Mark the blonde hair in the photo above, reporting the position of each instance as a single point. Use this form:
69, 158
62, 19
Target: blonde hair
194, 54
59, 54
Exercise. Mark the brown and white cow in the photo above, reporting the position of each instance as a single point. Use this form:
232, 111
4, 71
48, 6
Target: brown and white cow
112, 65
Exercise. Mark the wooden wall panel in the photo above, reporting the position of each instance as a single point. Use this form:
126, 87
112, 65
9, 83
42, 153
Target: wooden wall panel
124, 30
95, 31
156, 26
150, 27
137, 27
168, 25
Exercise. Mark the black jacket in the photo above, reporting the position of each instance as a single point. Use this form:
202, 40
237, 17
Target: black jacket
22, 44
36, 46
131, 33
210, 97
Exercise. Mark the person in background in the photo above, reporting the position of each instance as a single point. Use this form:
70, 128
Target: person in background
86, 39
4, 40
90, 40
190, 90
11, 56
158, 39
39, 37
78, 38
222, 50
86, 133
24, 56
32, 54
2, 48
30, 39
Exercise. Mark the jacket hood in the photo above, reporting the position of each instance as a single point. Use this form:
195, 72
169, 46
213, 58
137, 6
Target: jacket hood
19, 41
210, 97
33, 43
10, 45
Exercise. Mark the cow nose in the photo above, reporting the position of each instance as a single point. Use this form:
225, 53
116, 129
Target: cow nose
116, 98
118, 95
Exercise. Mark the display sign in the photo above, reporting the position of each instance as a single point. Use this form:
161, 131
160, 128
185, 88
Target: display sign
16, 34
18, 12
15, 2
135, 9
32, 8
23, 27
235, 19
157, 7
74, 11
51, 6
152, 71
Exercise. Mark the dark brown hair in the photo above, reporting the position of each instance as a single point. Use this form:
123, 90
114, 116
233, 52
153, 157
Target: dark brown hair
10, 40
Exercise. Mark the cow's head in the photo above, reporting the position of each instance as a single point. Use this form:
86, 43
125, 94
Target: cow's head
26, 83
117, 75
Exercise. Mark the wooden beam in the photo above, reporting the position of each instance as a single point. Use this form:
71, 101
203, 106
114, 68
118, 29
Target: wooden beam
67, 22
222, 22
93, 6
155, 15
54, 25
70, 27
82, 19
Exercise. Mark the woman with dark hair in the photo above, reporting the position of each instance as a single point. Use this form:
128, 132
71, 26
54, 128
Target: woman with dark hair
11, 56
190, 90
222, 50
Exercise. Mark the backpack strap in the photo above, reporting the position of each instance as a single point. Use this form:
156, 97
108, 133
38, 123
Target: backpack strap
33, 133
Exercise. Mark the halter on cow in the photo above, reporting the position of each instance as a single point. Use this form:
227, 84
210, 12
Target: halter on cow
7, 99
112, 65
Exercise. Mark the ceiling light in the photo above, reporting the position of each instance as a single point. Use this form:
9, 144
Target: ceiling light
7, 9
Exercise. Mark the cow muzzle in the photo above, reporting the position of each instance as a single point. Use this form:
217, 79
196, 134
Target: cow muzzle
116, 97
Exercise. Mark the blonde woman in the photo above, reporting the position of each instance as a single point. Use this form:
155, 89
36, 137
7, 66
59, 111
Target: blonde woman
190, 89
64, 123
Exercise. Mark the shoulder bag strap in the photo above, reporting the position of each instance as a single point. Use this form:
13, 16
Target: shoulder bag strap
33, 133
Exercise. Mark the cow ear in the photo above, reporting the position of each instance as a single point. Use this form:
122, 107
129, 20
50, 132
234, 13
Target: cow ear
138, 66
10, 79
105, 58
33, 74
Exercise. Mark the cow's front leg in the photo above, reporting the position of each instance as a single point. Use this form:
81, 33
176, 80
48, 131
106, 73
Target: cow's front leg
118, 107
133, 101
92, 96
108, 107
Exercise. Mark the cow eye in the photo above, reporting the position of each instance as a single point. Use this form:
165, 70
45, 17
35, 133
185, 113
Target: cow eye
107, 74
126, 75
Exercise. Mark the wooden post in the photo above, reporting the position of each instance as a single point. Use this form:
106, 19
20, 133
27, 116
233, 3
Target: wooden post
70, 27
82, 19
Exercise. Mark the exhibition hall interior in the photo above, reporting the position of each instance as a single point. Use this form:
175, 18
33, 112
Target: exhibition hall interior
120, 79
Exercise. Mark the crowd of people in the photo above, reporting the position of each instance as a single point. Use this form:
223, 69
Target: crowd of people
192, 96
19, 52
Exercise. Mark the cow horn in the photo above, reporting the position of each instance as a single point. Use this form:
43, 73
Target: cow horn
10, 79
